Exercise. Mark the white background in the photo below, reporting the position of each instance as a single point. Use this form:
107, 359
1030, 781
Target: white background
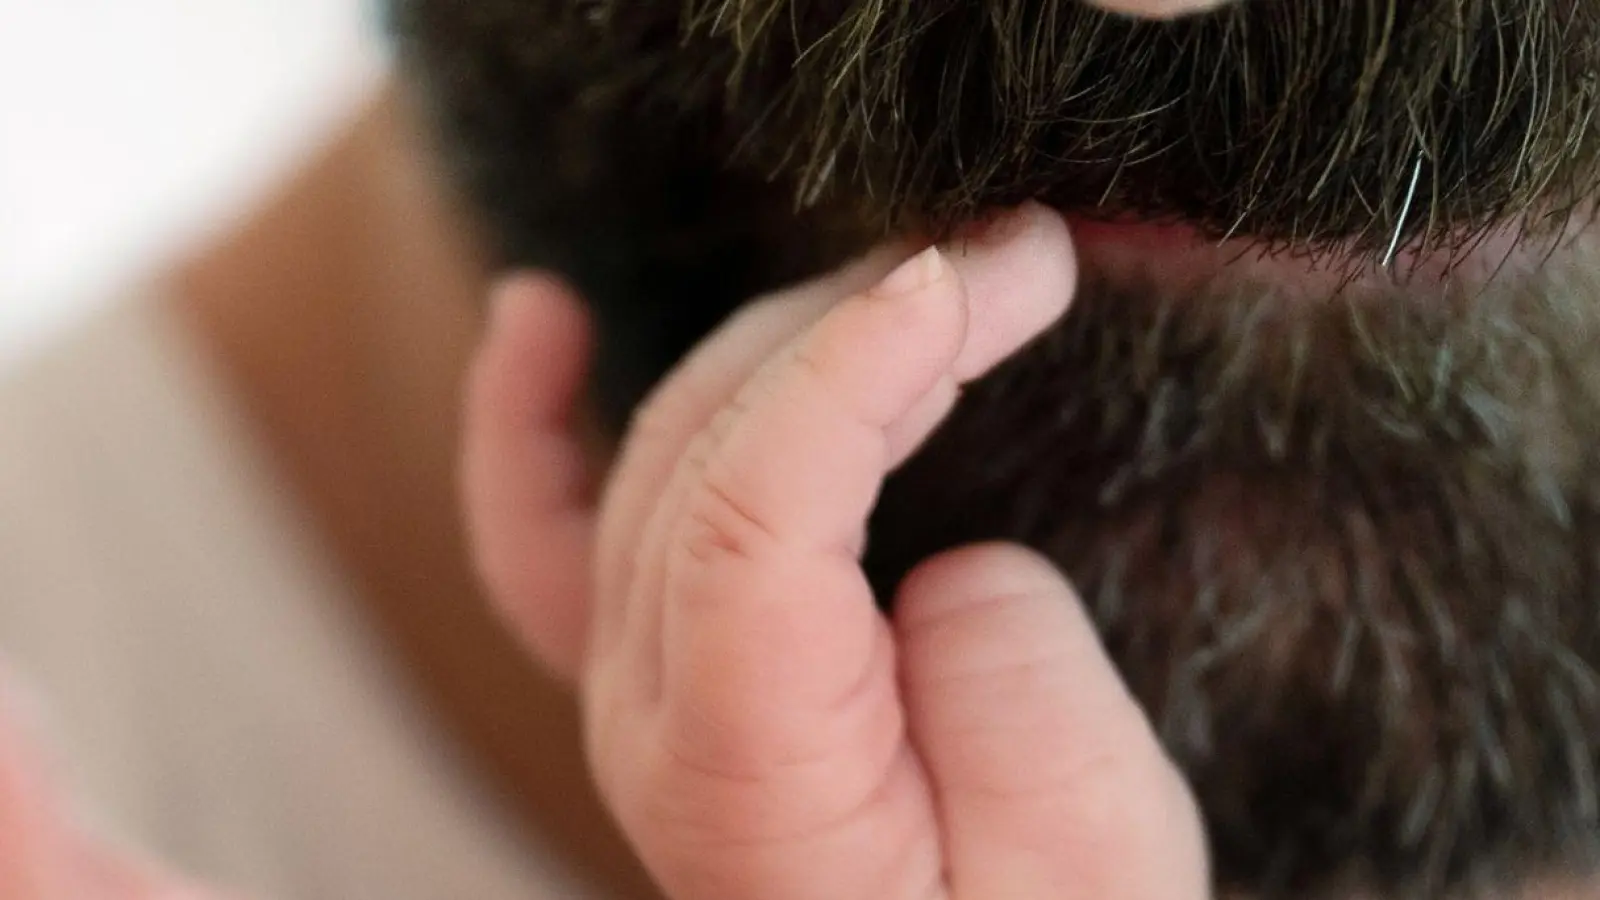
129, 127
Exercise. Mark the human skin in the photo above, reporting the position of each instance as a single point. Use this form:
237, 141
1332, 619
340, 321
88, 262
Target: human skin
759, 729
1323, 483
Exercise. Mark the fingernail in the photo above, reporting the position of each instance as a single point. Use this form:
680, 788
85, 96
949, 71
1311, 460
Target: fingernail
914, 274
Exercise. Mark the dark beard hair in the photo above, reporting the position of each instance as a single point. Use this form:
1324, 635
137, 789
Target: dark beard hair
1344, 551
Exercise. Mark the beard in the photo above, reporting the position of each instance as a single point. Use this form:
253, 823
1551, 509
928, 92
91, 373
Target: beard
1343, 549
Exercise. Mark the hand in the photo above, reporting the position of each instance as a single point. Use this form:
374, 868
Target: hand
759, 730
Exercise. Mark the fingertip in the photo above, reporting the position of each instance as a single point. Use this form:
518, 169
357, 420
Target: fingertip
1020, 269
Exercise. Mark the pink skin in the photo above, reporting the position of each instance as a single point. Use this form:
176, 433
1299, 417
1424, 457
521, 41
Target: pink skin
759, 731
757, 728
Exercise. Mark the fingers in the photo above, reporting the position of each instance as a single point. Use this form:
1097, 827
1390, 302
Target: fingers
1049, 780
524, 474
44, 854
39, 850
751, 701
767, 628
685, 402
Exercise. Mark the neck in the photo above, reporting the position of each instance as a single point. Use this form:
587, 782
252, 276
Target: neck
343, 315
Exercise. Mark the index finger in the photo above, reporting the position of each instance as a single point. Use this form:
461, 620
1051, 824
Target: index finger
764, 605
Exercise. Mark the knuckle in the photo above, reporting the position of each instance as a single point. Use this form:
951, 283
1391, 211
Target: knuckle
720, 525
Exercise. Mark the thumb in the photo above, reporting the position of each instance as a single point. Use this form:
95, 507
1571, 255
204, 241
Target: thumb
1049, 780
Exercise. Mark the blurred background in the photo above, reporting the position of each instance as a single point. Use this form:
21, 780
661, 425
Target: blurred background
129, 128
